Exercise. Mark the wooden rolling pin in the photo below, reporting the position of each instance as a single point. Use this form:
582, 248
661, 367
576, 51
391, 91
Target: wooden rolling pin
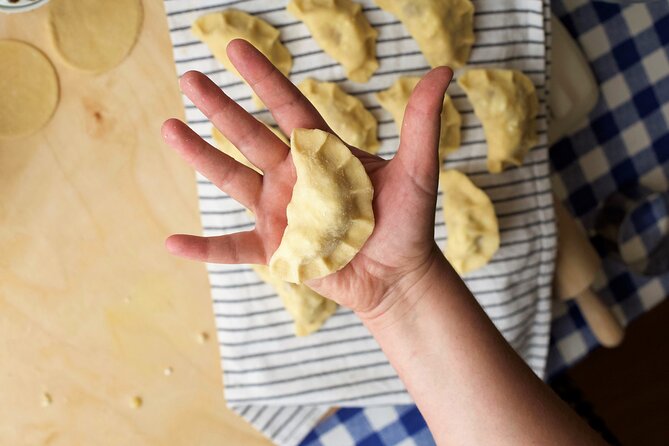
577, 265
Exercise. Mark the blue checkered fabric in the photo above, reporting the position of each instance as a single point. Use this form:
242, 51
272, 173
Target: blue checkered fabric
624, 144
372, 427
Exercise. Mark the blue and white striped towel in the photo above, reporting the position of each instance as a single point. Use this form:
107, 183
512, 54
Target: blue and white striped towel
283, 384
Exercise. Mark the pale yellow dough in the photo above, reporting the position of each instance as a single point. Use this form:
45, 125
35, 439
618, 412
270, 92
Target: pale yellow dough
506, 103
219, 28
443, 29
473, 232
225, 146
28, 89
345, 114
94, 35
343, 32
309, 309
330, 214
395, 99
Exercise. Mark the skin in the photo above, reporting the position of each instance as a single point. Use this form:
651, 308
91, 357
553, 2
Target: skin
471, 387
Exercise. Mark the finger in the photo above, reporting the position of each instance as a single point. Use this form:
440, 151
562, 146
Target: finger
235, 179
250, 136
283, 99
240, 247
419, 136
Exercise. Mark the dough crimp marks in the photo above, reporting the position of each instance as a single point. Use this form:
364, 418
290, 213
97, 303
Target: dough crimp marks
506, 103
343, 32
443, 29
473, 231
330, 214
219, 28
345, 114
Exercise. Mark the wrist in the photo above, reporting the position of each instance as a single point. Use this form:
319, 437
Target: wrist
401, 299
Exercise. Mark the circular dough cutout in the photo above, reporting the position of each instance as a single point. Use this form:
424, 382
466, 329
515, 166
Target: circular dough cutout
28, 89
94, 35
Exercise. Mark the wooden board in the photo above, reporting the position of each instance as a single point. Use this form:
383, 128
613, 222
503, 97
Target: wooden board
92, 308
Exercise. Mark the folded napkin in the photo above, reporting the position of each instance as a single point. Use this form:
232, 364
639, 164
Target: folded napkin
283, 384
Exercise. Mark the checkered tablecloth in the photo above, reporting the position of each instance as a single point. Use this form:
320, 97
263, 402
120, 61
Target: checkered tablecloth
626, 143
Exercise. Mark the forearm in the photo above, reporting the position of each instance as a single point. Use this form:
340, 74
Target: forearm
468, 383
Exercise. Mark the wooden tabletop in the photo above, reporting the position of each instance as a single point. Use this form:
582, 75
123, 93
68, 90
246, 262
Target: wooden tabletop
105, 339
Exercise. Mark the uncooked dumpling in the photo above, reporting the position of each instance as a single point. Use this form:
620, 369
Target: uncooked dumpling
506, 103
443, 29
94, 35
345, 114
330, 214
343, 32
28, 89
395, 99
309, 309
219, 28
225, 146
473, 233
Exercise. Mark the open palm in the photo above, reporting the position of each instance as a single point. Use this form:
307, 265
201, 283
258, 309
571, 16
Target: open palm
405, 188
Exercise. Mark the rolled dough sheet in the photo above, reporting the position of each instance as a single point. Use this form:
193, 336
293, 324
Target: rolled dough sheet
28, 89
94, 35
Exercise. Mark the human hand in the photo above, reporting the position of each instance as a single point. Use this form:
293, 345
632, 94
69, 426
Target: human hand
400, 250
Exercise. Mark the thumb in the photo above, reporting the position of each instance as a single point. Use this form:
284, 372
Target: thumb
419, 136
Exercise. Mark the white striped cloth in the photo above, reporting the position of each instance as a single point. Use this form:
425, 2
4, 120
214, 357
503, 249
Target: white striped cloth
283, 384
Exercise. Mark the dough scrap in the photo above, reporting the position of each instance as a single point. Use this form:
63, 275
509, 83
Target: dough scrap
330, 214
395, 99
309, 309
28, 89
225, 146
473, 231
443, 29
94, 35
345, 114
343, 32
217, 29
506, 103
